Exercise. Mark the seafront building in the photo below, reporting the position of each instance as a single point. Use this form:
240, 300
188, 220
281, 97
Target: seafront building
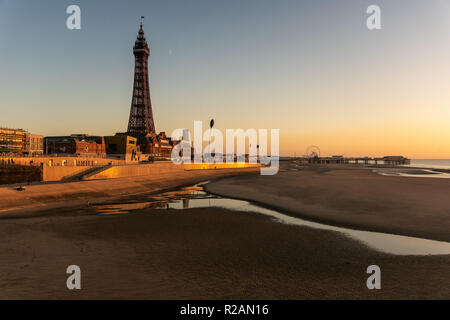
13, 141
19, 141
123, 147
75, 144
35, 145
159, 145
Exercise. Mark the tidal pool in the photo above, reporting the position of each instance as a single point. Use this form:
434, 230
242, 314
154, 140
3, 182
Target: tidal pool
196, 197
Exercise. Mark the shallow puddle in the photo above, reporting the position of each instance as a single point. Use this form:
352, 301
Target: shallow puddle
416, 173
195, 197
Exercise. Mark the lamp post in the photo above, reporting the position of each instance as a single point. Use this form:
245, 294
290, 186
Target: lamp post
211, 125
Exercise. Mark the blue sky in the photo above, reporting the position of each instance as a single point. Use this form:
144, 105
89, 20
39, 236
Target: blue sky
310, 68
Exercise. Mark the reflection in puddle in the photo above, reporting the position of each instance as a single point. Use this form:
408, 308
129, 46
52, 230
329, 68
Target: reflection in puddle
195, 197
126, 207
179, 199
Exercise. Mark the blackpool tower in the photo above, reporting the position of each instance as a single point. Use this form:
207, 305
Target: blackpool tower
141, 122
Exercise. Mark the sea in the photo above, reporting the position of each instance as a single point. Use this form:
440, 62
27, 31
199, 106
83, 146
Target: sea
430, 163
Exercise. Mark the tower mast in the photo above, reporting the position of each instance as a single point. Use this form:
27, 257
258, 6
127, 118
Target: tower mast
141, 114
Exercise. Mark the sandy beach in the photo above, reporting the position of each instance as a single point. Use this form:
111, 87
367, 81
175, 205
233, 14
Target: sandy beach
213, 253
352, 197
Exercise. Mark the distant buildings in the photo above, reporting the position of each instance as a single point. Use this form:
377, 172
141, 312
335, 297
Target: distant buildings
13, 141
19, 141
159, 145
75, 144
156, 146
123, 147
35, 144
395, 160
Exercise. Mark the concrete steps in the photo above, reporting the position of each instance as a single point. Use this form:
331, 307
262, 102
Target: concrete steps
85, 174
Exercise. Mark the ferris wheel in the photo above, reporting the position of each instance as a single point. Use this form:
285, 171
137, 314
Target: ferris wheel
312, 152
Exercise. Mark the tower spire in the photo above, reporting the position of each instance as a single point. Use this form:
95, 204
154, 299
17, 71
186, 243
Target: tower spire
141, 115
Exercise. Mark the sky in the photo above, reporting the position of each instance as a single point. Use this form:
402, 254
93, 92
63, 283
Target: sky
309, 68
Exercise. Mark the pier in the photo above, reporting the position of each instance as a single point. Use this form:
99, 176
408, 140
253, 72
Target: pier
387, 160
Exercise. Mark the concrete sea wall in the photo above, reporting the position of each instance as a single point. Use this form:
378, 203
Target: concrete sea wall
59, 173
162, 168
10, 174
61, 168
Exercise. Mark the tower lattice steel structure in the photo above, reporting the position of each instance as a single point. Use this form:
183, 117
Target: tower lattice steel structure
141, 115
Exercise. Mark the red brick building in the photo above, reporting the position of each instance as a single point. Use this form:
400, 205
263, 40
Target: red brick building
158, 145
75, 144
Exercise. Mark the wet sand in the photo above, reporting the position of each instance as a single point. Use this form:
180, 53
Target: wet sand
213, 253
207, 253
351, 197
